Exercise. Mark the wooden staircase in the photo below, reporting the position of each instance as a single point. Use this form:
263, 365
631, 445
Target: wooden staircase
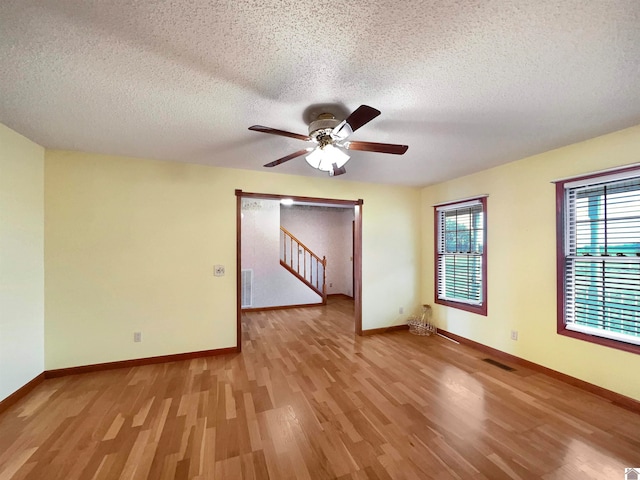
302, 263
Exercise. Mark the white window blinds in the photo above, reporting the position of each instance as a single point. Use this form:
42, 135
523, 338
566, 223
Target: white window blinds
602, 259
459, 254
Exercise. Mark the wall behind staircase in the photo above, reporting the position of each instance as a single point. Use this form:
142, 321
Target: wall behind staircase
273, 286
327, 231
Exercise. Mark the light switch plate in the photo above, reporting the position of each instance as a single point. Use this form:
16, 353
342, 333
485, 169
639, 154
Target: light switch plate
218, 270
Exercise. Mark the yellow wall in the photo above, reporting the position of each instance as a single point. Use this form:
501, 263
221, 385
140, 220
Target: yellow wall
21, 261
131, 244
521, 261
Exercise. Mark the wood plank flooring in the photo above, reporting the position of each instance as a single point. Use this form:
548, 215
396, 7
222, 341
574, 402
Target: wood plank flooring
306, 399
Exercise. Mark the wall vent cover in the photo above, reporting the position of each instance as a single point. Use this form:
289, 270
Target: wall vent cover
246, 282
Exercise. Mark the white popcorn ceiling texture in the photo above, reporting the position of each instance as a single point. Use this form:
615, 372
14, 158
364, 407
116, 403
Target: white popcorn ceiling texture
466, 84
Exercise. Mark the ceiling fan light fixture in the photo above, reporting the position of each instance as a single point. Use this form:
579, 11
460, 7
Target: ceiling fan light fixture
324, 158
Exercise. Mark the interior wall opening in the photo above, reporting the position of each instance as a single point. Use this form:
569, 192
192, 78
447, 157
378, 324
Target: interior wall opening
297, 251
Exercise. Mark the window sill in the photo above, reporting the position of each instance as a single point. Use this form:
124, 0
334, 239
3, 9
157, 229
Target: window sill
606, 342
477, 309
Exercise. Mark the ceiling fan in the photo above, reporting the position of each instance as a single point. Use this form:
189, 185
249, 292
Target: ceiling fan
329, 138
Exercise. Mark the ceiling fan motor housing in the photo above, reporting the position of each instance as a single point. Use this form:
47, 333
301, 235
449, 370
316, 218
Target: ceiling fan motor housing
321, 128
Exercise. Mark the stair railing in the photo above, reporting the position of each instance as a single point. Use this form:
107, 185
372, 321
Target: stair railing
304, 263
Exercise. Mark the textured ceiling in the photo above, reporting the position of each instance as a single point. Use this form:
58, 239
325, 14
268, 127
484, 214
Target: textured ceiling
466, 84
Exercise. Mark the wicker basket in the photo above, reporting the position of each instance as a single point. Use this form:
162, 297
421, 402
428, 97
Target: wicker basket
421, 324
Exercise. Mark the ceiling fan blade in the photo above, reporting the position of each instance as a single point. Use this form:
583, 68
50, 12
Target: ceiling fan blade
337, 171
376, 147
361, 116
275, 131
287, 158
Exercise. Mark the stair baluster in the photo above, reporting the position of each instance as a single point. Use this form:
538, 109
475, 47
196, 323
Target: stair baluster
299, 271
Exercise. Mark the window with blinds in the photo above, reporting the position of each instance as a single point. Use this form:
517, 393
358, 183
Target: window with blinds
602, 257
461, 255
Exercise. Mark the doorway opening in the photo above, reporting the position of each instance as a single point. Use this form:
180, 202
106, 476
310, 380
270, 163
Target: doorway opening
311, 201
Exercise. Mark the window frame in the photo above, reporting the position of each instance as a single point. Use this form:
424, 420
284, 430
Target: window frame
482, 308
562, 246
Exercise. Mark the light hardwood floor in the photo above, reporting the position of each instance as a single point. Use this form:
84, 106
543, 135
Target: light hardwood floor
308, 400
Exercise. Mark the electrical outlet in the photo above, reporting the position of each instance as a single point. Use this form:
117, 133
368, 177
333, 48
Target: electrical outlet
331, 284
137, 336
514, 335
401, 310
218, 270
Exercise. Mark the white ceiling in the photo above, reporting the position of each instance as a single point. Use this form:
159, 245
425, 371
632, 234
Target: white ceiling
466, 84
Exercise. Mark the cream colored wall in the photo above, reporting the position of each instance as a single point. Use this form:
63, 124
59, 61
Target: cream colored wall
131, 244
21, 261
521, 261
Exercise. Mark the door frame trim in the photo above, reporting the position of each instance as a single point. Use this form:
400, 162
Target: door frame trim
357, 250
